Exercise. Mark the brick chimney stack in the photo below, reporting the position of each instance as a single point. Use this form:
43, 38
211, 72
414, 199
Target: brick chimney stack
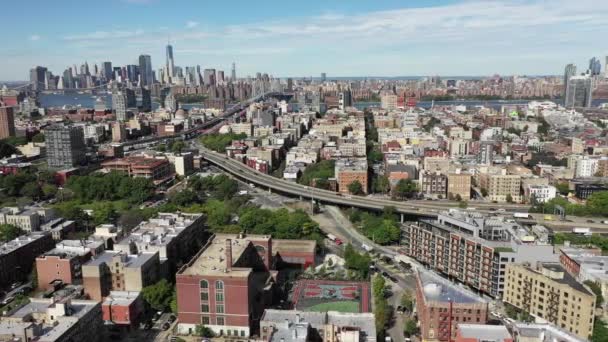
228, 254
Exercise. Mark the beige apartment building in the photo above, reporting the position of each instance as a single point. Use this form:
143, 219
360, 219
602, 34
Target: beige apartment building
500, 186
548, 292
459, 184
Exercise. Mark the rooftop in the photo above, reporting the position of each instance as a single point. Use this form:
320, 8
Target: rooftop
438, 289
567, 279
73, 248
211, 260
294, 246
128, 260
161, 230
19, 242
122, 298
484, 332
549, 331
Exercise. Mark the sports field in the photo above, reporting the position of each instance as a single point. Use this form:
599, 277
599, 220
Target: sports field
342, 296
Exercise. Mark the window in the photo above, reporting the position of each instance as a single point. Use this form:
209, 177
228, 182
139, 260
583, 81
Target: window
219, 297
219, 308
205, 308
205, 320
242, 333
219, 285
204, 296
220, 321
204, 284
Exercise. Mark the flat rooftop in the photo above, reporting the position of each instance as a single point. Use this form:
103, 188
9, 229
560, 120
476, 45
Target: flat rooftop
567, 279
74, 248
294, 246
159, 231
128, 260
19, 242
438, 289
484, 332
211, 260
122, 298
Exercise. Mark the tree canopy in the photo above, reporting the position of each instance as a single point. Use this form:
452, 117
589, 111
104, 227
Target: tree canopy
324, 169
356, 261
158, 295
355, 188
109, 187
218, 142
9, 232
382, 229
405, 188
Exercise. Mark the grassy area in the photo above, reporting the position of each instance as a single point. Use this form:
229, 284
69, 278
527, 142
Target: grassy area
348, 306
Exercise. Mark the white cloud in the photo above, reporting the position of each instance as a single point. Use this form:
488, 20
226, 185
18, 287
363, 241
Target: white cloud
191, 24
34, 37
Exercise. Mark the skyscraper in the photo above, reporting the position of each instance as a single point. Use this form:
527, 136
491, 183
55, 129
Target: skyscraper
65, 147
323, 77
132, 72
145, 70
37, 78
209, 76
146, 100
569, 72
7, 122
220, 76
107, 70
345, 99
119, 105
579, 92
595, 67
233, 75
170, 63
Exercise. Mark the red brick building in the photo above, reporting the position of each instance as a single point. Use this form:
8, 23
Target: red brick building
7, 122
155, 169
123, 308
64, 262
231, 280
441, 306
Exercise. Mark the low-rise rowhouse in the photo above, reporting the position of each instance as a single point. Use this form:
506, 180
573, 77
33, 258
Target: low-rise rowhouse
546, 291
123, 308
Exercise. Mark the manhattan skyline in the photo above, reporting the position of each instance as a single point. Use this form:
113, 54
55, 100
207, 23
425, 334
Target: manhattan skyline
471, 38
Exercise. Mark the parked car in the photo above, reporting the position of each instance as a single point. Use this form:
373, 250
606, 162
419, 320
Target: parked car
172, 318
7, 300
166, 326
338, 242
157, 315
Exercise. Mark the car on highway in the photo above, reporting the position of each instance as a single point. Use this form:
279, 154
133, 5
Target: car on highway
590, 221
7, 300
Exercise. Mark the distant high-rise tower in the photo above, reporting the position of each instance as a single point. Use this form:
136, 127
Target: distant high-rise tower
209, 76
7, 122
108, 72
579, 92
170, 63
323, 77
569, 72
219, 76
119, 105
345, 99
37, 78
145, 70
146, 100
595, 67
233, 75
65, 147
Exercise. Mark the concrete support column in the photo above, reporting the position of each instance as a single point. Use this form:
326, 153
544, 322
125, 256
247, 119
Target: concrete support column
402, 218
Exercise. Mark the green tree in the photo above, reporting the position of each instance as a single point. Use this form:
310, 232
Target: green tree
324, 169
407, 300
9, 232
484, 192
600, 331
6, 150
177, 146
49, 190
204, 331
158, 295
183, 198
463, 204
381, 308
173, 303
38, 138
563, 188
355, 188
32, 190
599, 298
381, 184
356, 261
509, 198
410, 328
405, 188
103, 212
130, 219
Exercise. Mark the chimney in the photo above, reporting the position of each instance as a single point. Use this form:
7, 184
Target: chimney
228, 254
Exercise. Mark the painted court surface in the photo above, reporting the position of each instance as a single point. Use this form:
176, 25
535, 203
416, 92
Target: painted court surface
322, 295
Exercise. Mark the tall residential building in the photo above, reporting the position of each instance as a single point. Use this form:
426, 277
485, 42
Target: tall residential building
569, 72
579, 92
595, 67
323, 77
7, 122
388, 101
145, 70
146, 100
65, 146
486, 152
119, 105
548, 292
108, 73
459, 185
209, 77
501, 186
37, 78
345, 99
220, 76
233, 75
170, 62
132, 72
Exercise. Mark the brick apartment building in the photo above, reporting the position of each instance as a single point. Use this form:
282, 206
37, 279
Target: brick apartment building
64, 262
119, 271
17, 256
230, 282
471, 248
123, 308
156, 169
349, 170
441, 306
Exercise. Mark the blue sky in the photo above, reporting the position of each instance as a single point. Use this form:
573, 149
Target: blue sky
305, 38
